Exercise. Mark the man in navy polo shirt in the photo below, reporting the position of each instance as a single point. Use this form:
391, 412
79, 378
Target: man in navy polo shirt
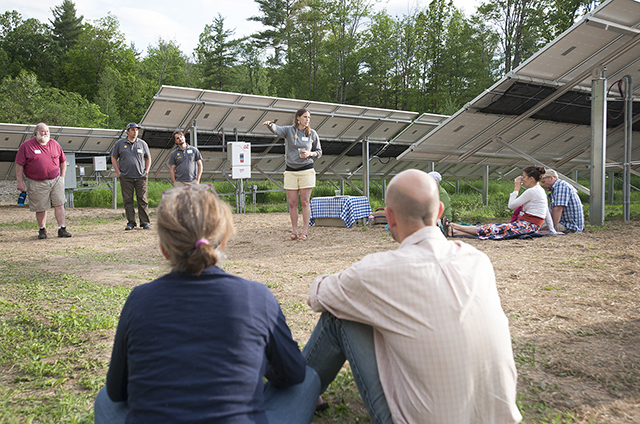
131, 161
566, 207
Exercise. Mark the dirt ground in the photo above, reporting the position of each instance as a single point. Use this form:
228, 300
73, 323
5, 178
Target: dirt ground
571, 300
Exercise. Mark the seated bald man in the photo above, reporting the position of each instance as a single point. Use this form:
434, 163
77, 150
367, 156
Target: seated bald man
421, 326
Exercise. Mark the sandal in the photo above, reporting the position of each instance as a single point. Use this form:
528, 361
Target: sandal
292, 237
448, 228
321, 407
302, 237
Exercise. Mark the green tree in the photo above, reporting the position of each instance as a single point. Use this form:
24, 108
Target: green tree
306, 58
253, 77
133, 96
9, 21
520, 25
24, 101
344, 44
276, 17
165, 64
29, 45
564, 13
405, 64
454, 58
67, 27
107, 98
100, 46
217, 54
377, 86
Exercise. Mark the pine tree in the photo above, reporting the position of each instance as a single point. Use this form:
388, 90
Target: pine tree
67, 27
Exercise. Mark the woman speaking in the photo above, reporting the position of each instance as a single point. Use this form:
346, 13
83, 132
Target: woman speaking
302, 147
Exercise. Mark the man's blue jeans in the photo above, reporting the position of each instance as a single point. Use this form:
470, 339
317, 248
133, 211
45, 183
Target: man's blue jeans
332, 342
293, 405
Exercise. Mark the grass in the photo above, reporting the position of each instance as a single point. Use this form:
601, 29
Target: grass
466, 204
54, 328
55, 337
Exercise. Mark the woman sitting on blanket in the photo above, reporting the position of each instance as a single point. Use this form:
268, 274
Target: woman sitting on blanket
534, 205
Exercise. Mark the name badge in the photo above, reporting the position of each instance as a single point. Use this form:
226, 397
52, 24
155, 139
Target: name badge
305, 139
190, 152
37, 152
140, 151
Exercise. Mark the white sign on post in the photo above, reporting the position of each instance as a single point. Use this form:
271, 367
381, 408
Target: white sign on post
240, 154
99, 163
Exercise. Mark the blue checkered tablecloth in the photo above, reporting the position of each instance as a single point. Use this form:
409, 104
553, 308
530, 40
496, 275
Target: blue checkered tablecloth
347, 208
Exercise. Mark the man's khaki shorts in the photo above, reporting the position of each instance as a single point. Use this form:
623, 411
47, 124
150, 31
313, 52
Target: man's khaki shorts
42, 195
298, 180
185, 183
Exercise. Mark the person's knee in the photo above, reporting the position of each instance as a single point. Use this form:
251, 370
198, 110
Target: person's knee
293, 202
312, 379
101, 401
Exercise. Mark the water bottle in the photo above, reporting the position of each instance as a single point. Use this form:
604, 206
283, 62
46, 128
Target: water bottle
21, 198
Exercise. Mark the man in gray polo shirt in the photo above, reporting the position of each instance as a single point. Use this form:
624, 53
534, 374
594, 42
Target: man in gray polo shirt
185, 162
131, 161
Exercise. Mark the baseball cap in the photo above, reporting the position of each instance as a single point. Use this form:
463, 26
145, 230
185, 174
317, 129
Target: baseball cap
132, 125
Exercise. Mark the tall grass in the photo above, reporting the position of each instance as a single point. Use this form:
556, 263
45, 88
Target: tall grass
466, 204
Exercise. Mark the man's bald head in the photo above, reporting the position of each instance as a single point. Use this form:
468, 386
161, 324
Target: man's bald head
413, 196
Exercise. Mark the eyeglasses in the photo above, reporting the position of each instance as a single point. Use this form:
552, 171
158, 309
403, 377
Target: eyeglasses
197, 187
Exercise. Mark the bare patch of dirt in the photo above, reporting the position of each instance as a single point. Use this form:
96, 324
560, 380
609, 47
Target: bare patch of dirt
572, 301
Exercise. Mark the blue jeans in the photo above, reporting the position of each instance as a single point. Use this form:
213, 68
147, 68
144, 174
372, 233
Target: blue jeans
332, 342
293, 405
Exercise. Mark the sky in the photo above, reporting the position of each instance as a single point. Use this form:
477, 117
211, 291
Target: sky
143, 22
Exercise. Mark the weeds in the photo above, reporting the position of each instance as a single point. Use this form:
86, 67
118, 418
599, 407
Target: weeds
51, 325
466, 203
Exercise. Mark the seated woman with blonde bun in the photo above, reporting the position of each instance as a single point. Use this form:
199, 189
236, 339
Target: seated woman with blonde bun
534, 205
194, 345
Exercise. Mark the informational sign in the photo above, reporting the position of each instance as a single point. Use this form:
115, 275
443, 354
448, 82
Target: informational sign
99, 163
240, 155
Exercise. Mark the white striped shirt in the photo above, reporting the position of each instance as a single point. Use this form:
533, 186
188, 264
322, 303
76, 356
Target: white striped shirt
442, 340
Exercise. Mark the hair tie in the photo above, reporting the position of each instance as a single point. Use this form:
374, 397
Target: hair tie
201, 241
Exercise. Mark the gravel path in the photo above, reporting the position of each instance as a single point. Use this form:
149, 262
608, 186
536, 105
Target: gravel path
8, 192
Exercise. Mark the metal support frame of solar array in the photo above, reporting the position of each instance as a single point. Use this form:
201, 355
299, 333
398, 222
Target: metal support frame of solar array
544, 112
357, 142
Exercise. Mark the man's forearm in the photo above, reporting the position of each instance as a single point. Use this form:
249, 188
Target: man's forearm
19, 173
199, 163
114, 163
172, 173
556, 214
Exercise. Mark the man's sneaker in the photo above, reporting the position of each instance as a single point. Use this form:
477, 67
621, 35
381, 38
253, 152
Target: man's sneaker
130, 227
146, 226
62, 232
42, 233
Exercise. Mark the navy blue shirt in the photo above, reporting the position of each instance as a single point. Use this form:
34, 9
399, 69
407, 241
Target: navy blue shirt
195, 348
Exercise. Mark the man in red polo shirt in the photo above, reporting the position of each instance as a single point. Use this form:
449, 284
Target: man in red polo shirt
40, 169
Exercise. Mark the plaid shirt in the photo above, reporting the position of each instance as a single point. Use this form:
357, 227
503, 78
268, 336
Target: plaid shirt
442, 341
563, 194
